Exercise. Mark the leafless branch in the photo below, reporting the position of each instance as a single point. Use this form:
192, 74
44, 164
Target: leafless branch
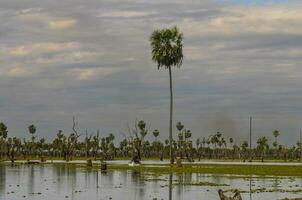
74, 124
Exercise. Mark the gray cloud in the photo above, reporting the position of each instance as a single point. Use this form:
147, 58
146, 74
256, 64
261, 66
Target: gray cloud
92, 59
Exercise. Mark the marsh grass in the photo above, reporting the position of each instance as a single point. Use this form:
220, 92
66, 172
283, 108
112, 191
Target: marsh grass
272, 170
210, 184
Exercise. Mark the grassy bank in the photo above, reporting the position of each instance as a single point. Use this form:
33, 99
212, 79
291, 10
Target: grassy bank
271, 170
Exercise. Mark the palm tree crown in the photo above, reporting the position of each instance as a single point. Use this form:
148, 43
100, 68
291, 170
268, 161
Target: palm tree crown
166, 47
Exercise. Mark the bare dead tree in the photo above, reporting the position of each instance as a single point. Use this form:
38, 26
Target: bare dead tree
74, 125
129, 131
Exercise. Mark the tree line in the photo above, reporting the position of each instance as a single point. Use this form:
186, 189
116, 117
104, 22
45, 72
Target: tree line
94, 146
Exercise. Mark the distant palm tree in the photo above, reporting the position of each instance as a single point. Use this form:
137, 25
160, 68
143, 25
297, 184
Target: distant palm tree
262, 146
155, 133
166, 47
3, 130
276, 133
32, 129
156, 143
244, 147
3, 136
231, 140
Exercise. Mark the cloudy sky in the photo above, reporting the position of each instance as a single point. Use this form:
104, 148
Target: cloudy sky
91, 59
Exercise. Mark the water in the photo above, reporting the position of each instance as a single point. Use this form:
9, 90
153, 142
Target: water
49, 182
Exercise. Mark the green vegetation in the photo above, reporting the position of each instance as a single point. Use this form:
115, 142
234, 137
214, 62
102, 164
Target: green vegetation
231, 171
261, 190
271, 170
86, 146
210, 184
293, 199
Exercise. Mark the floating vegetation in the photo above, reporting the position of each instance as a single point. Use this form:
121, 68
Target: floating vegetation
35, 193
292, 199
210, 184
155, 179
262, 190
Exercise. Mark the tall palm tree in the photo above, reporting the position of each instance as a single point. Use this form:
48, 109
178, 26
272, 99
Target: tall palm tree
32, 131
166, 47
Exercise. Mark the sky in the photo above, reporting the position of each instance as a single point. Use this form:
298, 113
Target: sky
91, 59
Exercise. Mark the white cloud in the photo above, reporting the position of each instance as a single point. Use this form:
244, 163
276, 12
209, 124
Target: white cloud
47, 19
39, 48
125, 14
20, 51
62, 24
264, 20
29, 16
69, 57
196, 53
17, 71
31, 10
92, 73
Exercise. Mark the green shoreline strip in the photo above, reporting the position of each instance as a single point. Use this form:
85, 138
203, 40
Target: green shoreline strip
259, 170
272, 170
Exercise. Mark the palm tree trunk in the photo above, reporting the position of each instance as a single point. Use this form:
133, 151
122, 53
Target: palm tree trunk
171, 115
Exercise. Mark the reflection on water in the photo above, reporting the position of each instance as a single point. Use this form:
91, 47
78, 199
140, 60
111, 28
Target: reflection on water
49, 182
170, 186
2, 179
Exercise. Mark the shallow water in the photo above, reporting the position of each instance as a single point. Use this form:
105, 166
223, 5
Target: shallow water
49, 182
